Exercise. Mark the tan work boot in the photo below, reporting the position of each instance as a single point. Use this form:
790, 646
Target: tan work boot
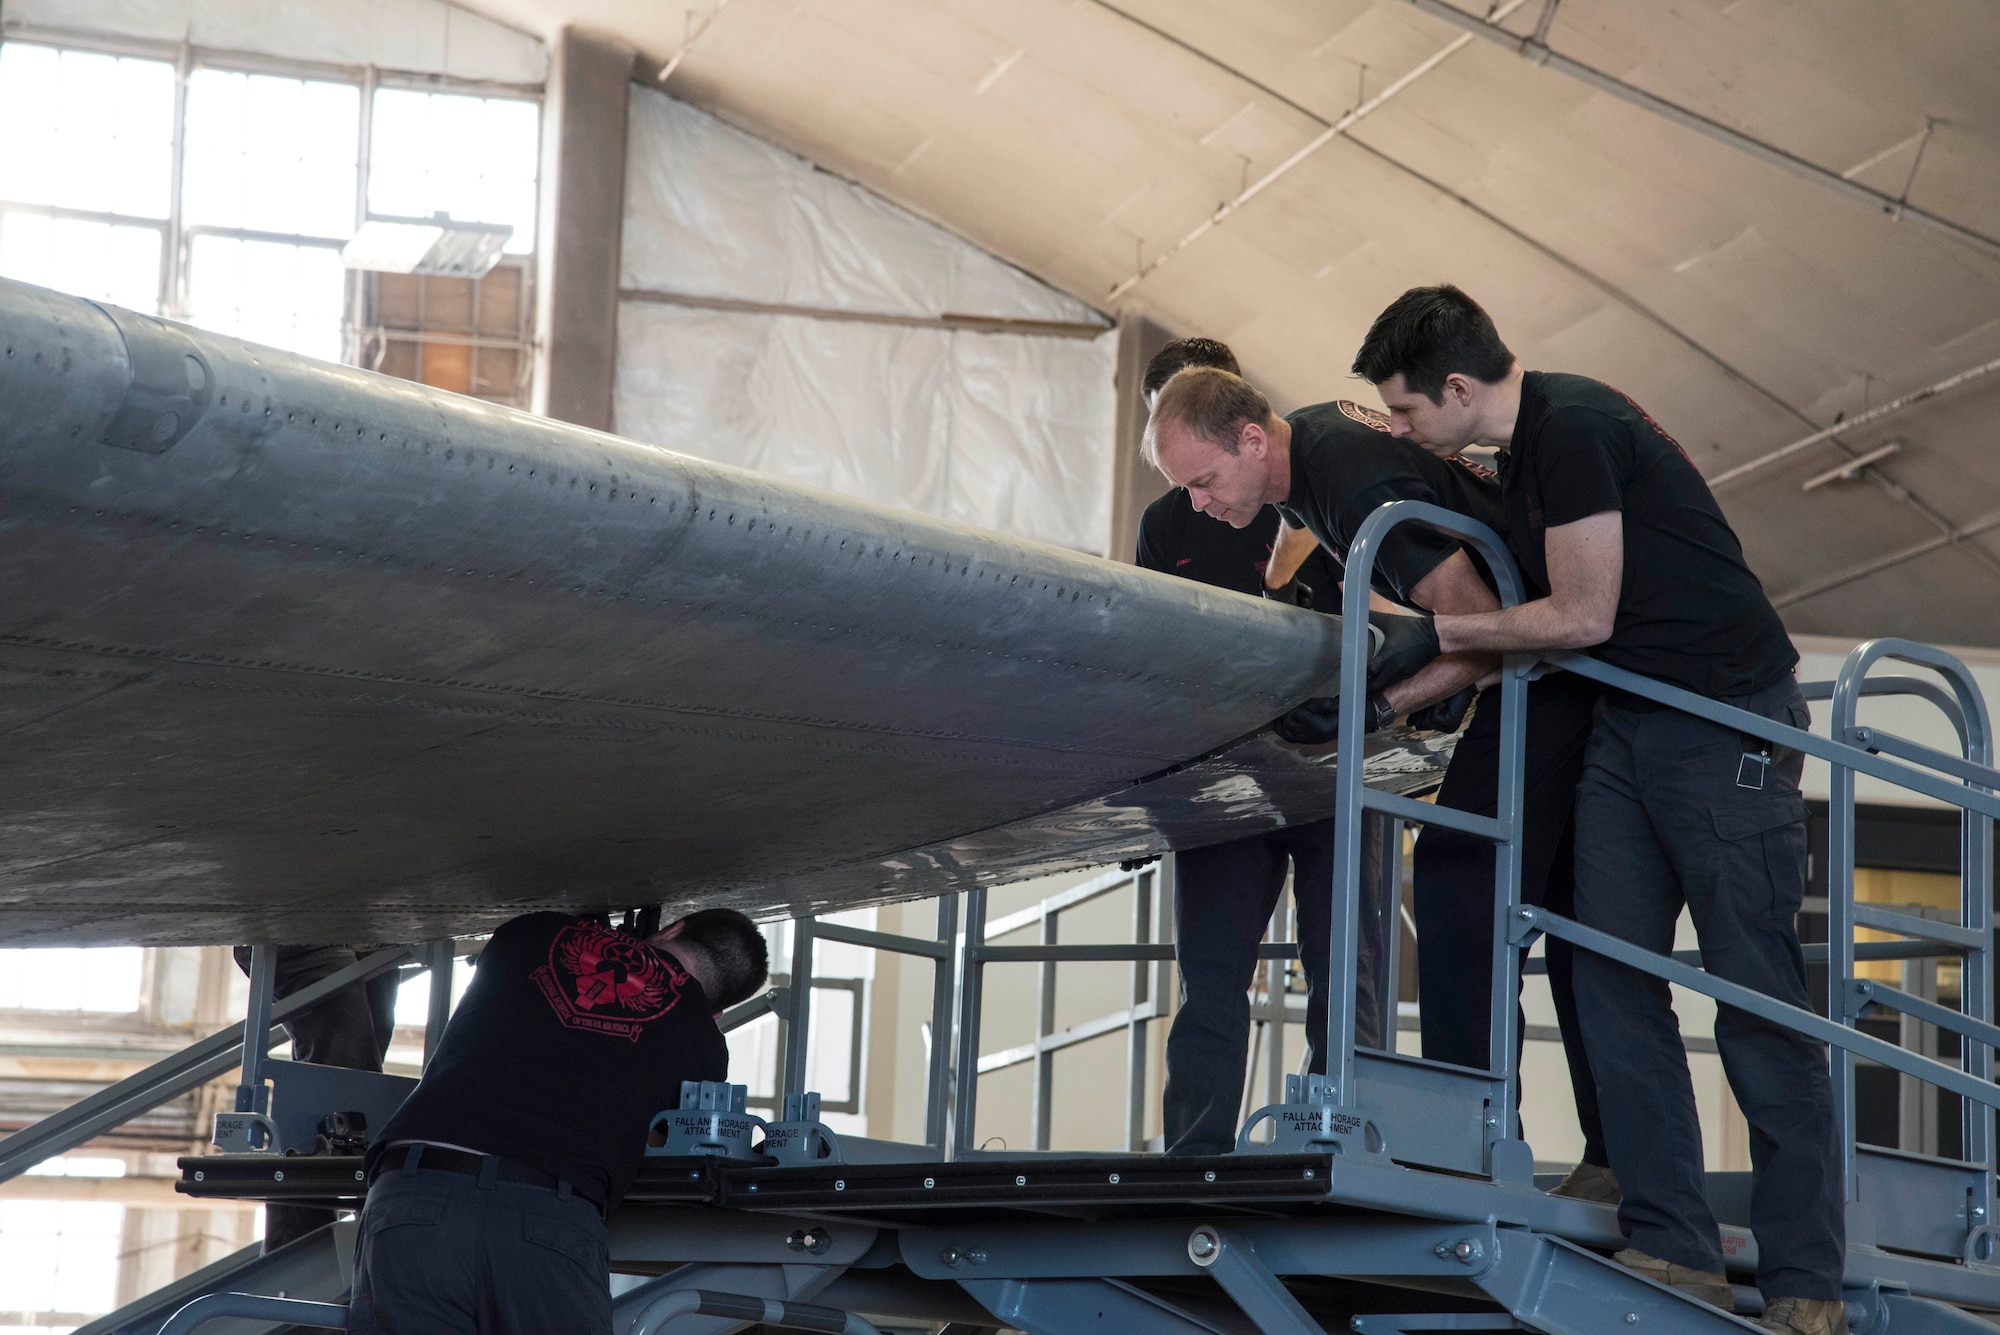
1589, 1182
1805, 1316
1709, 1286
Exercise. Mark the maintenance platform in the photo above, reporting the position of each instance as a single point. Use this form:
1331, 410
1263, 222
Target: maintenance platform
1393, 1194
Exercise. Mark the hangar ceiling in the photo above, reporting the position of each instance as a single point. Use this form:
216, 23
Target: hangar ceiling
1747, 305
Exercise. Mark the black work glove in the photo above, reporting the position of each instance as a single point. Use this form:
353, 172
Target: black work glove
1317, 721
1408, 643
1446, 715
1133, 864
1294, 592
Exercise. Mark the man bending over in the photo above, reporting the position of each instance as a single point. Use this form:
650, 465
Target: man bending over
489, 1187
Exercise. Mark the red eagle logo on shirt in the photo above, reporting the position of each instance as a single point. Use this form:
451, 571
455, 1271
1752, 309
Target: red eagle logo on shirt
607, 982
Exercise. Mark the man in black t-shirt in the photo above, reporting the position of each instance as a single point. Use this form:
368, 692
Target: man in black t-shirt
1224, 894
1633, 561
1327, 467
489, 1187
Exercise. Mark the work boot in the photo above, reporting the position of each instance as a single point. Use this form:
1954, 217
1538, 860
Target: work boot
1805, 1316
1709, 1286
1589, 1182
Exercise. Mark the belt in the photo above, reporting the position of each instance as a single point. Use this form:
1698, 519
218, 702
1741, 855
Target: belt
420, 1157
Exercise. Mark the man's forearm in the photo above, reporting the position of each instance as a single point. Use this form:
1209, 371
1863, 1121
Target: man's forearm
1440, 679
1288, 553
1538, 626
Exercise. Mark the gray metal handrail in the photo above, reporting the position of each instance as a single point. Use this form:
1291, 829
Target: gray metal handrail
296, 1311
1975, 909
1353, 796
172, 1076
771, 1312
1151, 911
1967, 782
1917, 686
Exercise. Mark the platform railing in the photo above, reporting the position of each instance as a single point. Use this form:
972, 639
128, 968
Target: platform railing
196, 1064
1971, 936
1149, 954
1966, 781
1503, 829
791, 1002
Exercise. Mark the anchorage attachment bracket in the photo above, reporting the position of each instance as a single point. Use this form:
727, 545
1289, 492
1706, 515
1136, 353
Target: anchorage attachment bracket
710, 1121
1310, 1122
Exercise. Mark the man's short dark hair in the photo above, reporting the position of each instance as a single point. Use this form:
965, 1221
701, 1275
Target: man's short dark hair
1427, 334
1183, 353
734, 947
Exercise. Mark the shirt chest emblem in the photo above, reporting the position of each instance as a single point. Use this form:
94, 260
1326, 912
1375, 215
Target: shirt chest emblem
1368, 417
605, 982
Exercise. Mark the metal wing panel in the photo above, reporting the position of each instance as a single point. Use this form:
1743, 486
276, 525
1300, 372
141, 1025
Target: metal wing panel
335, 656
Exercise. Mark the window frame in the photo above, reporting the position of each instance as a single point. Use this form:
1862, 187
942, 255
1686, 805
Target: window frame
177, 235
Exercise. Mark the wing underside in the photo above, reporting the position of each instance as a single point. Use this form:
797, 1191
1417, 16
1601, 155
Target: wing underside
289, 651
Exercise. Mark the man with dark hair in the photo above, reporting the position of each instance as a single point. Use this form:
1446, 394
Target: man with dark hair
1328, 467
1224, 894
1629, 557
489, 1187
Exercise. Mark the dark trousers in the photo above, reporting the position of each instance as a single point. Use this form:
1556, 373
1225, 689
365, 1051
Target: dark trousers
1676, 811
350, 1029
1223, 899
1452, 882
444, 1253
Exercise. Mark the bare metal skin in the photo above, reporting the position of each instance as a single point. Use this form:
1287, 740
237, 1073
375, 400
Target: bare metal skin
335, 657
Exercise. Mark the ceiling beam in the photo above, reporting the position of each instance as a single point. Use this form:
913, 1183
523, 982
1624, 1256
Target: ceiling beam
1879, 564
1332, 131
700, 31
1538, 51
1869, 418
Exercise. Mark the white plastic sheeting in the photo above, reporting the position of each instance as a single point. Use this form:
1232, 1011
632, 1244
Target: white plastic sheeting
1008, 431
417, 36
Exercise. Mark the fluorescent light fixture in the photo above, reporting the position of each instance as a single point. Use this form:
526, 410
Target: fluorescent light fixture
435, 247
1851, 469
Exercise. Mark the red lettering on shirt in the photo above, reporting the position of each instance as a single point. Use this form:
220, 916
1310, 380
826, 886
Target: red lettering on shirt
606, 982
1647, 418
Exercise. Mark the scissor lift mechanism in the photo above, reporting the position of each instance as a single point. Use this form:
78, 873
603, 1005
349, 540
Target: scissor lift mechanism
1396, 1195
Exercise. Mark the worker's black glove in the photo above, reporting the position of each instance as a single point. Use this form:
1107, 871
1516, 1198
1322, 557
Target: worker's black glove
1408, 643
1294, 592
1133, 864
1317, 721
1446, 715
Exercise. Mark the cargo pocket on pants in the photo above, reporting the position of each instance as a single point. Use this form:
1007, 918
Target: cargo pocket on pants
1761, 855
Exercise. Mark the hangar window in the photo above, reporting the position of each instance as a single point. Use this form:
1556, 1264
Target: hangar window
70, 979
487, 175
86, 172
220, 189
62, 1259
468, 335
268, 184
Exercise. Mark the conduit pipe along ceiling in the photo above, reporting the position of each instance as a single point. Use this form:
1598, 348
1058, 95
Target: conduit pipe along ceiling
1759, 219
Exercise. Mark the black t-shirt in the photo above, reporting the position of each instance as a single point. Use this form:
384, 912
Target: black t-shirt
570, 1038
1689, 612
1345, 465
1178, 539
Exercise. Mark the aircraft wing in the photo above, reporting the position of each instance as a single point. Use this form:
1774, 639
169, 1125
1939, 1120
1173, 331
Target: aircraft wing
294, 652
